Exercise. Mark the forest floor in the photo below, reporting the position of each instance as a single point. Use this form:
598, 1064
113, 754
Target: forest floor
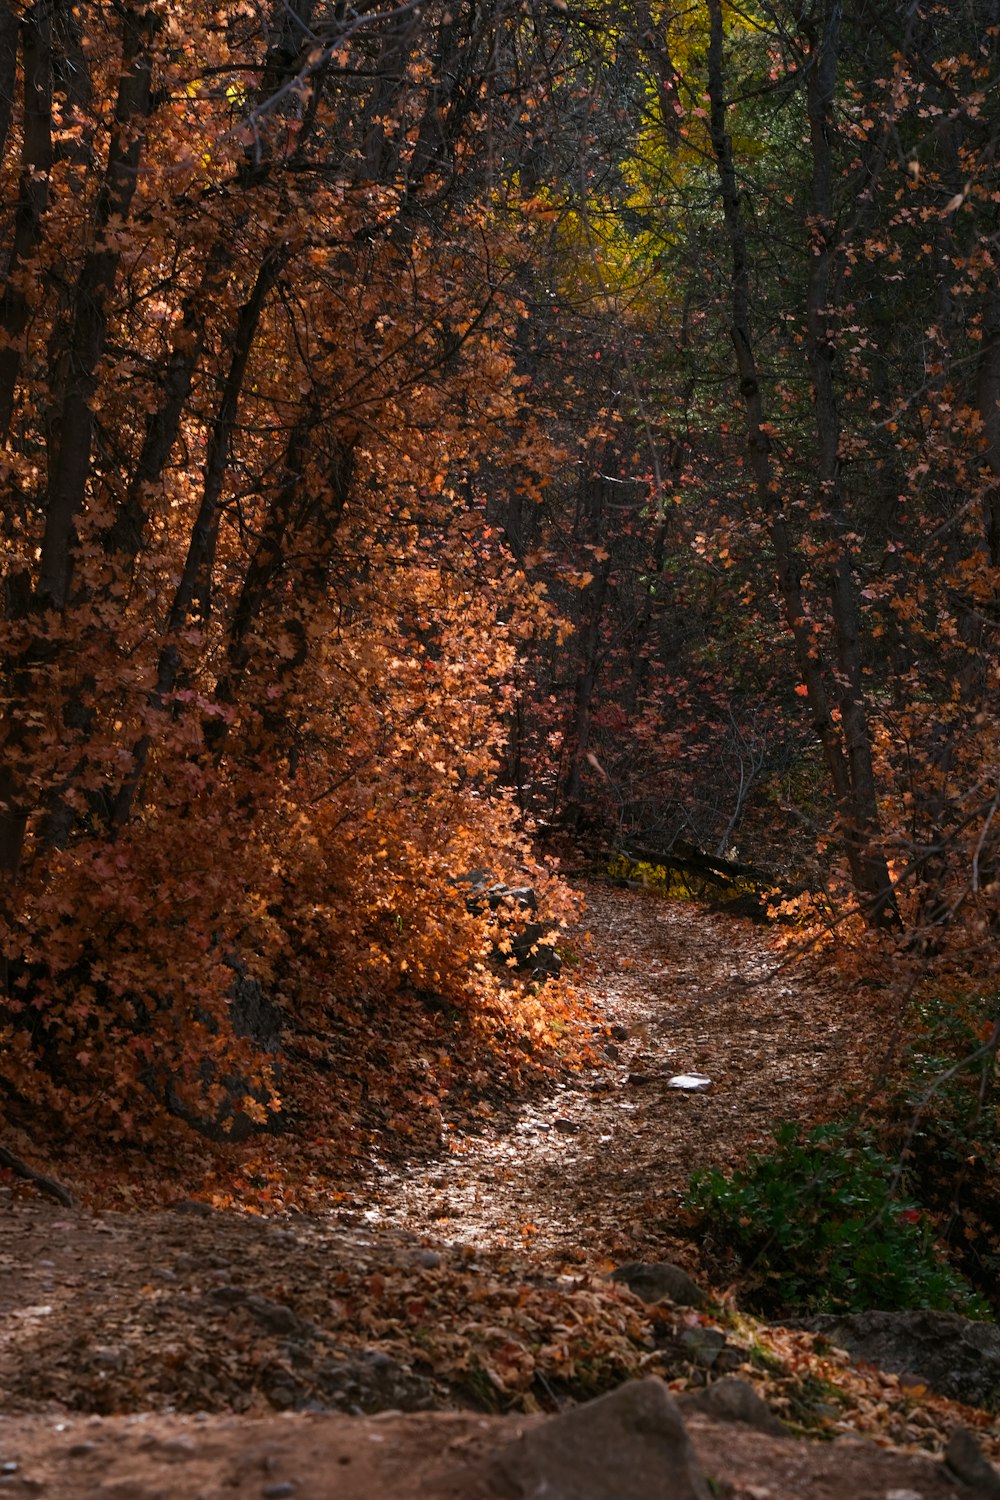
603, 1161
192, 1352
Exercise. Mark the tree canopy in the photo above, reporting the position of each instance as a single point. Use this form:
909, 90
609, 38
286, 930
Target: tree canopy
435, 434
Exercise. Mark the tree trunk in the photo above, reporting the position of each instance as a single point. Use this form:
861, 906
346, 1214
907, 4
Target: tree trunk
69, 470
70, 464
9, 25
988, 401
33, 196
860, 816
589, 636
868, 870
198, 565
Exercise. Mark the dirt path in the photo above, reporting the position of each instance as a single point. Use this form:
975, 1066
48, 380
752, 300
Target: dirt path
601, 1164
189, 1352
434, 1456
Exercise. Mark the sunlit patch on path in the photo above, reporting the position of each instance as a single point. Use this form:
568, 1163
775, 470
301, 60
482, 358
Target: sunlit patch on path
599, 1166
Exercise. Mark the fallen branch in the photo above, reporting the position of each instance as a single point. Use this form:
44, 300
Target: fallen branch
725, 884
46, 1185
685, 857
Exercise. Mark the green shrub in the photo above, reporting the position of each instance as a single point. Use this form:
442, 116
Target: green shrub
945, 1117
951, 1074
816, 1226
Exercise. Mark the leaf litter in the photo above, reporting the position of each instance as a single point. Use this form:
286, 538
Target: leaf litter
479, 1279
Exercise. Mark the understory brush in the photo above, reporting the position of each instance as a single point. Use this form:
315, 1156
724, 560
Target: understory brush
945, 1126
825, 1222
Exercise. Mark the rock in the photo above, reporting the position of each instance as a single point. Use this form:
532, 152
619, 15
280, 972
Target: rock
690, 1083
114, 1357
565, 1126
954, 1356
653, 1280
228, 1295
284, 1396
370, 1381
487, 893
251, 1013
703, 1346
251, 1017
426, 1259
273, 1316
734, 1400
527, 945
532, 952
628, 1445
178, 1449
285, 1239
966, 1460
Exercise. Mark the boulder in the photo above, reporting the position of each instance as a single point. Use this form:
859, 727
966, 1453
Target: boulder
369, 1380
628, 1445
531, 952
253, 1014
699, 1350
252, 1017
527, 946
953, 1356
651, 1281
967, 1461
487, 893
734, 1400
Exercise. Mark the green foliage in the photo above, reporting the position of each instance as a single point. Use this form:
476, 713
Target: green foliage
685, 885
817, 1225
947, 1120
653, 877
951, 1070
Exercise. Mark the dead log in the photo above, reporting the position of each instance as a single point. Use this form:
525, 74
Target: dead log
688, 859
725, 884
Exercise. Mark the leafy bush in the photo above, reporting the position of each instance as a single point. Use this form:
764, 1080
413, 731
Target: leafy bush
816, 1226
946, 1120
951, 1074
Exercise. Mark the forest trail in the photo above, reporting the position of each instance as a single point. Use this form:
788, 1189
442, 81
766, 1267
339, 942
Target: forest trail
604, 1160
194, 1352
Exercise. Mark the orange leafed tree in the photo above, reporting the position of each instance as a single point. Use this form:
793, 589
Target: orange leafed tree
255, 312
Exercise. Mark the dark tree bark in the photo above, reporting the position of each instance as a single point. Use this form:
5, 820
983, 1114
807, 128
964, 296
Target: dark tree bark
47, 1185
69, 468
9, 26
859, 815
988, 401
848, 765
591, 525
200, 560
69, 464
33, 196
